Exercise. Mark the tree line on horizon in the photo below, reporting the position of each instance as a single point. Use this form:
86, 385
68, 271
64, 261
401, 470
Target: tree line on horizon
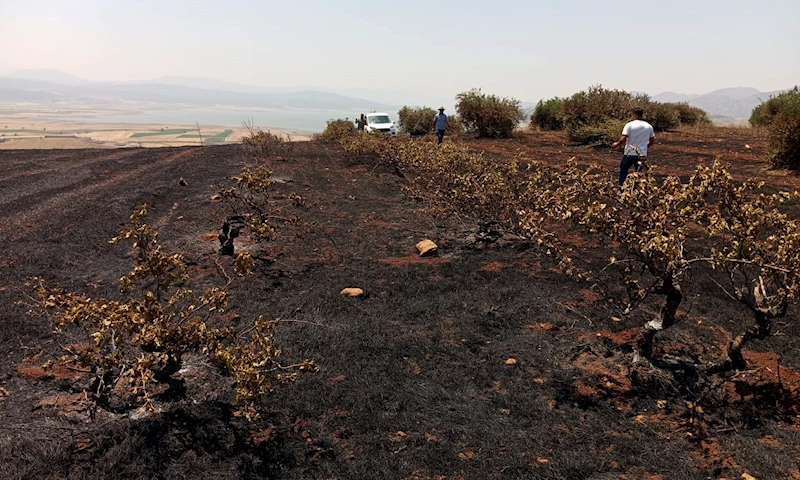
596, 117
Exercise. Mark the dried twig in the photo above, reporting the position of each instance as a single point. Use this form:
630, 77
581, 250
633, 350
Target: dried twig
570, 309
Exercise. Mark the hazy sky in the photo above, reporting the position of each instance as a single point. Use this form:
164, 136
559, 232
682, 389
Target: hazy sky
528, 49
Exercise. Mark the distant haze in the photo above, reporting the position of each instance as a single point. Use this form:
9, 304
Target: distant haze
726, 105
183, 100
413, 51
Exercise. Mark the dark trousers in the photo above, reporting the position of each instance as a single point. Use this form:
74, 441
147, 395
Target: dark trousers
440, 136
628, 161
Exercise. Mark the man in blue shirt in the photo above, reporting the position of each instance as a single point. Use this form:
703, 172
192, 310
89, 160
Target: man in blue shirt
440, 124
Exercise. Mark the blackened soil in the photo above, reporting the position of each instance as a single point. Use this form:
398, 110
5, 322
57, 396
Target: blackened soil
416, 378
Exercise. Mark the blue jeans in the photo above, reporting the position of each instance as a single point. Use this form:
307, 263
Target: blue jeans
628, 161
440, 136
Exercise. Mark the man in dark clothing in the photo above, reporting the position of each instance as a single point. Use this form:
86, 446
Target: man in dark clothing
361, 122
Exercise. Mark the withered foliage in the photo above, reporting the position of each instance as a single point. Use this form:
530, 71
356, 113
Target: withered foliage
142, 338
657, 230
248, 200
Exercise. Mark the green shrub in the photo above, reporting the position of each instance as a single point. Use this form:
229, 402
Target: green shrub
489, 116
549, 114
763, 114
590, 114
783, 146
455, 126
336, 130
691, 116
597, 104
662, 116
601, 134
416, 121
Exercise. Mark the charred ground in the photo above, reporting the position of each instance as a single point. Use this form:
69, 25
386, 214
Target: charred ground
413, 380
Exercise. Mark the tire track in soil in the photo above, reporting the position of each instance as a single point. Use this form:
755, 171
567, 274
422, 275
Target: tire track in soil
26, 221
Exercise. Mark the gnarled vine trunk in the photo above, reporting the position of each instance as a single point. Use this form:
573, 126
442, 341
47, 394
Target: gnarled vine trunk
735, 360
672, 290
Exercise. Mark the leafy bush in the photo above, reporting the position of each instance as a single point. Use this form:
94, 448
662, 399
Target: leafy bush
589, 115
662, 116
691, 116
416, 121
264, 143
489, 116
597, 104
455, 126
764, 113
549, 114
601, 134
784, 132
336, 130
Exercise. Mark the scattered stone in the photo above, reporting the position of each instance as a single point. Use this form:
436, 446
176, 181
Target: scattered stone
747, 146
182, 182
427, 248
352, 292
511, 361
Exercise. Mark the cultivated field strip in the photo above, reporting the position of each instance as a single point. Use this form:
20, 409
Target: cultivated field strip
69, 187
49, 162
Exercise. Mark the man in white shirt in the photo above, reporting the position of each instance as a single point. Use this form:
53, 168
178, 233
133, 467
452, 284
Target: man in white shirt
637, 135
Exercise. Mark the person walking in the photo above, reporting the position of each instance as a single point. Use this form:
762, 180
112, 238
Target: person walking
638, 136
361, 122
440, 124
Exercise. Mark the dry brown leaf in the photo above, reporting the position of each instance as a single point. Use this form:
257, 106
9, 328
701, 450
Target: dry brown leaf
466, 455
542, 460
399, 436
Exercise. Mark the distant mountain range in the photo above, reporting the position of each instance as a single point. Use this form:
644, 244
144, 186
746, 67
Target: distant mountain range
49, 86
727, 105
